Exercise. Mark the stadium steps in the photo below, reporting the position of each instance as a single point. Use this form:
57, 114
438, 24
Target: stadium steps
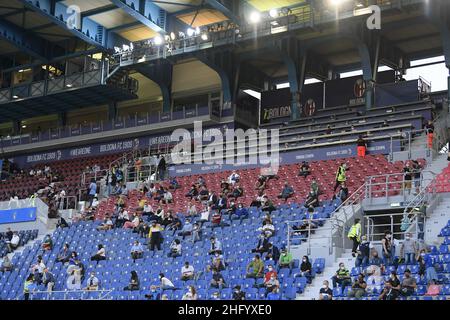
437, 218
312, 291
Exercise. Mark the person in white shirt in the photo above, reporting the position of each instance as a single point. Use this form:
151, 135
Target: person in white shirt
100, 255
187, 272
233, 178
38, 270
204, 215
14, 243
191, 210
166, 284
106, 225
95, 203
32, 173
268, 229
92, 282
148, 209
216, 246
168, 198
191, 294
74, 281
175, 249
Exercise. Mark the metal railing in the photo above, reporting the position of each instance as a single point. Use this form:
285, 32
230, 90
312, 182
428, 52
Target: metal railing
406, 222
65, 202
69, 295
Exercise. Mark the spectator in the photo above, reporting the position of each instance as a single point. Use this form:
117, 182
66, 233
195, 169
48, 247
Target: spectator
267, 205
13, 244
216, 246
6, 265
315, 187
134, 284
340, 175
74, 280
196, 233
408, 285
193, 192
273, 253
92, 283
191, 209
222, 203
137, 251
375, 260
312, 201
28, 287
217, 280
391, 289
153, 295
386, 244
287, 192
155, 235
38, 270
408, 249
233, 178
286, 260
166, 284
204, 215
175, 249
270, 281
341, 277
47, 243
407, 177
429, 130
426, 267
191, 294
186, 230
216, 220
417, 171
48, 280
92, 191
167, 198
255, 268
306, 269
358, 288
304, 170
187, 272
212, 199
263, 244
100, 255
261, 184
236, 193
363, 252
325, 292
268, 229
355, 235
361, 146
174, 185
238, 294
204, 194
106, 225
342, 193
216, 263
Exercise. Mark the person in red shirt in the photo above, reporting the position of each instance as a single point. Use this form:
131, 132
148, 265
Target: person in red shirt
270, 271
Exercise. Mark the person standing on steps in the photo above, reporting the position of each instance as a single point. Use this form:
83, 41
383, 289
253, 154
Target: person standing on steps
355, 235
340, 175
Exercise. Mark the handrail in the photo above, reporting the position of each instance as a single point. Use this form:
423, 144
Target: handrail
102, 293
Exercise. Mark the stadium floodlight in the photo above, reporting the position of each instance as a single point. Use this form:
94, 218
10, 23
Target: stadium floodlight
69, 85
15, 97
190, 32
172, 36
336, 2
117, 49
273, 13
125, 47
197, 31
204, 36
24, 126
158, 40
255, 17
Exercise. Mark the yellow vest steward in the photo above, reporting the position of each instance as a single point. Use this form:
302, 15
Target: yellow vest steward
340, 175
355, 231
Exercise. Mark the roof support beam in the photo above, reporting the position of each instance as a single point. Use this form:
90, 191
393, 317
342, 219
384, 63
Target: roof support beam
98, 10
219, 6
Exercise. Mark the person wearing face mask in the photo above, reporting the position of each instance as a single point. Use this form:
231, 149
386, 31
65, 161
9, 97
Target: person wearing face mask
358, 288
426, 267
341, 277
409, 284
286, 260
92, 282
255, 268
340, 176
355, 235
263, 244
273, 253
386, 244
363, 252
274, 294
391, 289
166, 284
217, 280
216, 246
238, 294
153, 294
240, 212
325, 292
375, 260
408, 249
271, 283
191, 294
305, 269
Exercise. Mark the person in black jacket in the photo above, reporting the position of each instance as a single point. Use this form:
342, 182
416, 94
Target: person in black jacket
154, 294
161, 172
273, 253
238, 294
134, 282
306, 269
263, 244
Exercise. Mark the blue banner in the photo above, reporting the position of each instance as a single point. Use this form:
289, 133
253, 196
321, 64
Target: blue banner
17, 215
396, 93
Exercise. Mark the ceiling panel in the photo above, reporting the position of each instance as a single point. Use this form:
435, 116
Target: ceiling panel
137, 34
32, 20
112, 19
266, 5
87, 5
172, 7
204, 17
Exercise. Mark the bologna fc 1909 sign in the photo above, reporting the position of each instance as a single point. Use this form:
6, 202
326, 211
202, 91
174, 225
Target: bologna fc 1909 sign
309, 108
360, 88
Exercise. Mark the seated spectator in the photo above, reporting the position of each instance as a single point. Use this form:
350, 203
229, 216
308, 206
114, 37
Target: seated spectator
268, 229
274, 294
216, 246
238, 294
166, 284
237, 192
263, 244
391, 289
48, 280
261, 183
100, 255
212, 199
153, 294
174, 185
38, 270
167, 198
196, 233
92, 283
426, 267
217, 263
74, 281
187, 272
62, 223
159, 194
193, 192
124, 191
151, 191
191, 210
271, 282
221, 203
14, 243
286, 260
186, 230
341, 277
6, 264
375, 259
306, 269
358, 288
201, 182
167, 218
315, 187
312, 201
134, 224
408, 285
137, 251
258, 200
233, 178
325, 292
267, 205
134, 284
175, 224
287, 192
106, 225
175, 249
225, 187
47, 243
121, 218
217, 280
255, 268
204, 194
191, 294
216, 220
273, 253
304, 170
148, 209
